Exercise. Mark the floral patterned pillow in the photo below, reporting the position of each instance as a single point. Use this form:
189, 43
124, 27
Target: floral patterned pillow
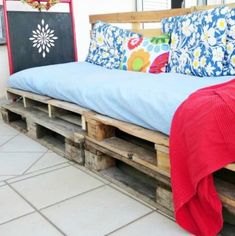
198, 43
106, 47
229, 65
168, 24
146, 54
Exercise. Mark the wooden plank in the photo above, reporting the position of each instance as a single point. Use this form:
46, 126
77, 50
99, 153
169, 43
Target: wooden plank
128, 150
141, 17
148, 32
71, 119
137, 131
67, 106
230, 167
164, 197
99, 131
59, 126
134, 161
98, 163
26, 94
226, 192
148, 16
163, 160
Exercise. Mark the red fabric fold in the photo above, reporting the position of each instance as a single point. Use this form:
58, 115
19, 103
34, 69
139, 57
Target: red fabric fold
202, 140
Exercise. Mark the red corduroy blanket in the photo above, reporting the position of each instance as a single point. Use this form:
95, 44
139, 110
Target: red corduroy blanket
202, 140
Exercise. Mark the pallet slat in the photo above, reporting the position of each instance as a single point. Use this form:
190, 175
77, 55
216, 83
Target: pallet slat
11, 92
150, 170
137, 131
64, 128
226, 192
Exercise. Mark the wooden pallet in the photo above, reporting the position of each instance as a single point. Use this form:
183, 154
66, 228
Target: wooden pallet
109, 140
55, 133
133, 157
66, 111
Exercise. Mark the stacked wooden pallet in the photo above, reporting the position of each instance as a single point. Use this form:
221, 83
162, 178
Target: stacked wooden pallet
109, 142
135, 158
51, 122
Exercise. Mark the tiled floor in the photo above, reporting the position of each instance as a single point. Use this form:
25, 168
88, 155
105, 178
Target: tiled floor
43, 194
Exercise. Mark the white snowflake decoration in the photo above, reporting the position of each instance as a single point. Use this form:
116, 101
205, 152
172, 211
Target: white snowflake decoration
43, 38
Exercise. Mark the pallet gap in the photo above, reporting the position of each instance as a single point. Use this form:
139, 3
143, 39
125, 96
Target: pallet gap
52, 140
132, 178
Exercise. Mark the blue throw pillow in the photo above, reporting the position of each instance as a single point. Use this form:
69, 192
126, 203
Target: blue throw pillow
229, 65
198, 43
106, 47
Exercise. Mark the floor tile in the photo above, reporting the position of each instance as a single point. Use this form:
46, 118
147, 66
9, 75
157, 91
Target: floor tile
22, 143
33, 224
151, 225
89, 172
12, 205
55, 186
48, 160
95, 213
7, 130
5, 138
6, 177
16, 163
2, 183
36, 173
123, 190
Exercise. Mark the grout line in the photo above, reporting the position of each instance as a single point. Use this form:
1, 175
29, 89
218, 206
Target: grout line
165, 215
32, 175
13, 219
45, 168
131, 222
9, 140
35, 162
48, 220
69, 198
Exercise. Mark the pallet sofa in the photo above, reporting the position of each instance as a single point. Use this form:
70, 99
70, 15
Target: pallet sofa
133, 157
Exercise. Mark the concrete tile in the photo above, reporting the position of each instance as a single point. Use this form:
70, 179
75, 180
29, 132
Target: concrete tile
151, 225
33, 224
56, 186
6, 177
22, 143
95, 213
91, 173
14, 179
2, 183
48, 160
12, 205
16, 163
7, 130
5, 138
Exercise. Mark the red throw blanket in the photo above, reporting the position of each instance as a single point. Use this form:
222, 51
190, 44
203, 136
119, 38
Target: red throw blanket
202, 140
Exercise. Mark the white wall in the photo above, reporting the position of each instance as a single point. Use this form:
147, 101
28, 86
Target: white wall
82, 10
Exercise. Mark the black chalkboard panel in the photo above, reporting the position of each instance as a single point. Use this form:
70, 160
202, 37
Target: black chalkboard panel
40, 38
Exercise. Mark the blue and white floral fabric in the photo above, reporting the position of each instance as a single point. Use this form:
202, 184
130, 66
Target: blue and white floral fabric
198, 43
229, 65
168, 24
106, 47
